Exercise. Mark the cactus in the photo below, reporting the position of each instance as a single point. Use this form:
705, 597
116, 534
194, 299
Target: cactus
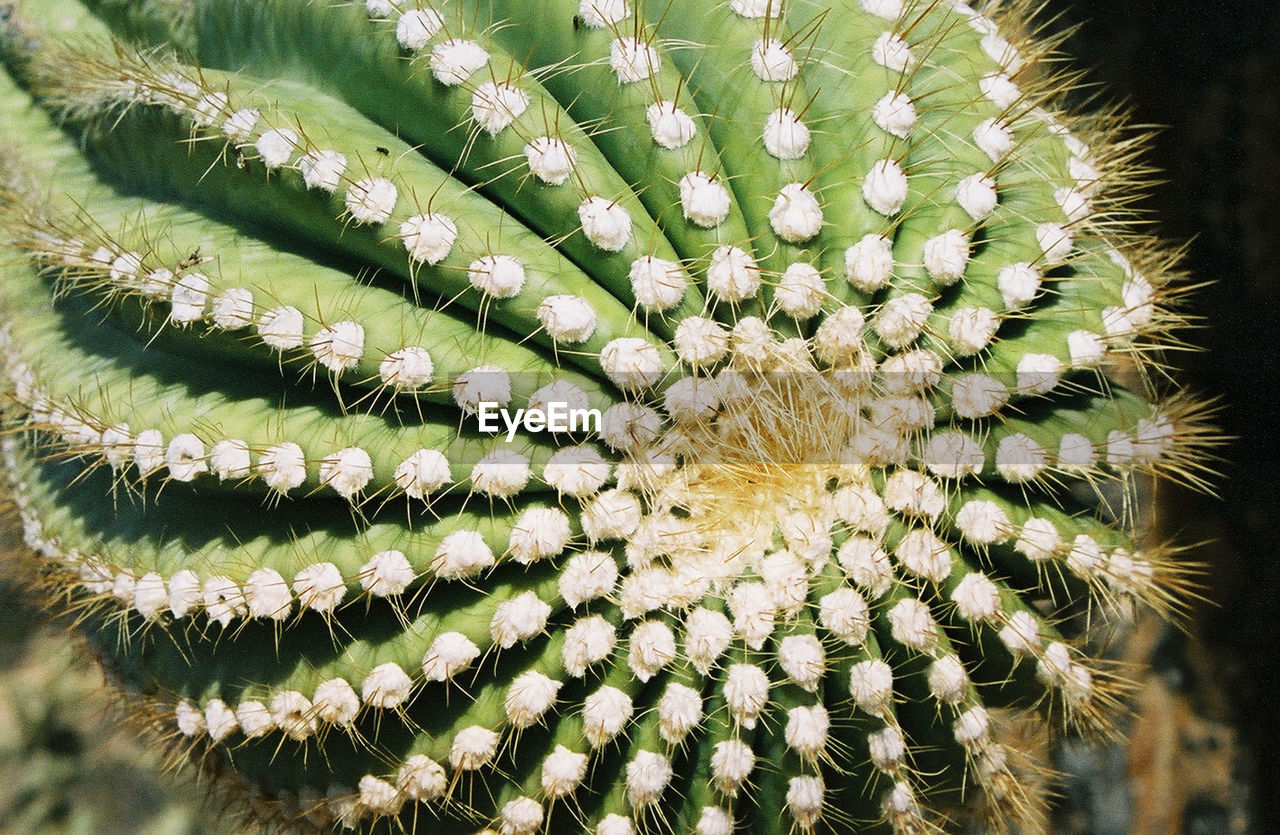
839, 299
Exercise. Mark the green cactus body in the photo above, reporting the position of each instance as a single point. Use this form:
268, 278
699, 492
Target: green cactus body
832, 291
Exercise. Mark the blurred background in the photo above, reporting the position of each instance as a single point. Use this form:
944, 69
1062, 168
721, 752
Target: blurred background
1202, 754
68, 763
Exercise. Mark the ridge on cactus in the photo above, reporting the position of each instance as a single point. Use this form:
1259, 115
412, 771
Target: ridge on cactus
844, 297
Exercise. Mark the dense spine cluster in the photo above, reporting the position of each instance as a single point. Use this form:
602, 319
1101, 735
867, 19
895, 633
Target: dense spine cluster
850, 299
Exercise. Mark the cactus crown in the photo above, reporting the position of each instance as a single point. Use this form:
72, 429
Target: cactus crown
818, 314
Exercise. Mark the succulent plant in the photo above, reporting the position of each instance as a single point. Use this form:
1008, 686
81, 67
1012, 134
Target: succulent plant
817, 313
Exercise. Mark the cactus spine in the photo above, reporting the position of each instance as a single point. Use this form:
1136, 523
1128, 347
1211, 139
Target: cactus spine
844, 287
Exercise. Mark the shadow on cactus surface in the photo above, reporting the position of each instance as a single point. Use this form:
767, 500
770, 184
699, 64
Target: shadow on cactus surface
867, 349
